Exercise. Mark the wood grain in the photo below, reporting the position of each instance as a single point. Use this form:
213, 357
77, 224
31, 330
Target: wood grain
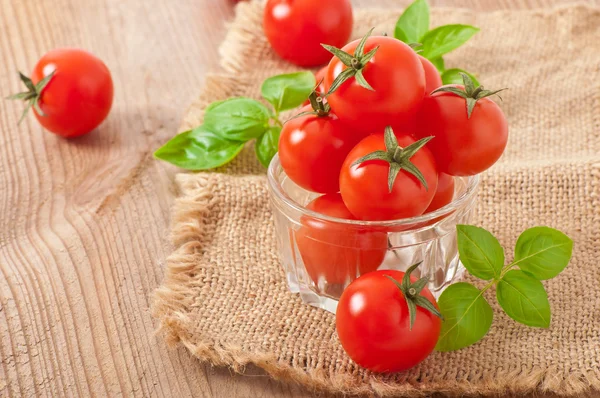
84, 222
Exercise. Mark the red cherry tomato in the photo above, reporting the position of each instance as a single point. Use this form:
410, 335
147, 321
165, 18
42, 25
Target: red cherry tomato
373, 324
319, 76
443, 194
338, 253
463, 146
296, 28
396, 75
79, 95
433, 79
364, 187
312, 149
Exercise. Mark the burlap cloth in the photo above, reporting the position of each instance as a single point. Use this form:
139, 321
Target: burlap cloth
225, 298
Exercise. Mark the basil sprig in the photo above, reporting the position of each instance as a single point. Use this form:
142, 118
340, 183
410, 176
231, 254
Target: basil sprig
230, 124
540, 253
413, 27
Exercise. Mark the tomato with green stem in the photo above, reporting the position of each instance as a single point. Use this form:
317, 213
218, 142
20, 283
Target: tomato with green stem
296, 28
70, 90
386, 177
336, 253
313, 146
374, 82
471, 131
388, 321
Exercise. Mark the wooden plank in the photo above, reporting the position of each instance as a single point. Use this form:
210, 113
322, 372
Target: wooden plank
85, 221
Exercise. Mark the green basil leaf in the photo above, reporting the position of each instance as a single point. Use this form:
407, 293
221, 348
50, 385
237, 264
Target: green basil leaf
452, 76
444, 39
267, 144
439, 64
524, 299
479, 251
237, 119
198, 149
413, 23
289, 90
543, 252
468, 317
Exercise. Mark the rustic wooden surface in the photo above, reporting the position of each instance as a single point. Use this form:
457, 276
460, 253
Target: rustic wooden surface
84, 222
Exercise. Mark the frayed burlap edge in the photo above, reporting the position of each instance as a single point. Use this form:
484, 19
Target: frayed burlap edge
173, 301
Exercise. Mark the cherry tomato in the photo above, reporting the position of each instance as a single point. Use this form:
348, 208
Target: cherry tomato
296, 28
373, 324
78, 96
433, 79
338, 253
443, 194
398, 81
312, 150
364, 187
463, 145
319, 76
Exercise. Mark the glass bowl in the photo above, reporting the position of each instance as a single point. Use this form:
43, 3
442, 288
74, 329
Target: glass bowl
321, 255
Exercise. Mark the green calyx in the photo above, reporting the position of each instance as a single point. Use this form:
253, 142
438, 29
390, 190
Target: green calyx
355, 63
471, 93
32, 95
320, 107
412, 294
397, 157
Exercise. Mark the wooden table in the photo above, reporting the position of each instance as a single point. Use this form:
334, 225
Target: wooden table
84, 222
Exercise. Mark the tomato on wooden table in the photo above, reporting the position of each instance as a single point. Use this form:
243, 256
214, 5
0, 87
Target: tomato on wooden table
386, 177
313, 147
337, 253
296, 28
471, 131
374, 322
71, 90
375, 82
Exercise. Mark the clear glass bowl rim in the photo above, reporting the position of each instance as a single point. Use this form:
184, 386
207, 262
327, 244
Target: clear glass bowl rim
276, 188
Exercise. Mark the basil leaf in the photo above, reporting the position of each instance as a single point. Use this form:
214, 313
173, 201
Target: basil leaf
439, 64
237, 119
289, 90
452, 76
543, 252
267, 144
479, 251
444, 39
413, 23
198, 149
468, 317
524, 299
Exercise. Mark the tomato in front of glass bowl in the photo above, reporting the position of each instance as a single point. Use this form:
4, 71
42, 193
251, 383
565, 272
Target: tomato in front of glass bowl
337, 253
374, 325
296, 28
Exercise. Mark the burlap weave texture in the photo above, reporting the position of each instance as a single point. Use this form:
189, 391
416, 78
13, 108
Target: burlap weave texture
224, 296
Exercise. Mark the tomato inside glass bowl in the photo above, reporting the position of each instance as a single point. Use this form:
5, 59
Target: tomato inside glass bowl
322, 254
